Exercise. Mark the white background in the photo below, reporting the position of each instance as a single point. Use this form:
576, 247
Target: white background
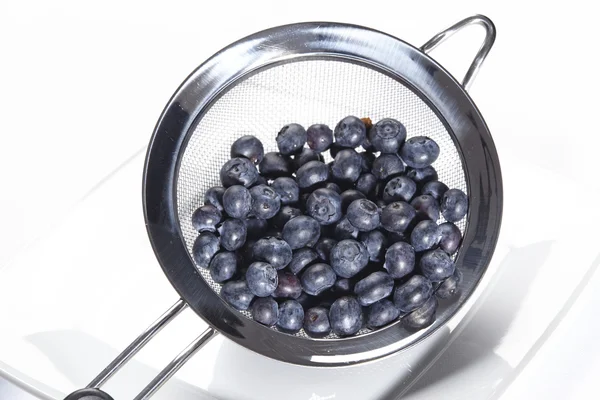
81, 87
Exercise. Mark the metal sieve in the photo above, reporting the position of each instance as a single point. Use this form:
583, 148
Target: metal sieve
308, 73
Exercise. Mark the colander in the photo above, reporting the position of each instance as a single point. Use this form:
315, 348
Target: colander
308, 73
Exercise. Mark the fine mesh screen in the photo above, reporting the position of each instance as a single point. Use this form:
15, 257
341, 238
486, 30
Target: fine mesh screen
305, 92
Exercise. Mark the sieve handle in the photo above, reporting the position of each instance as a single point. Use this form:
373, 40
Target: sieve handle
490, 37
93, 392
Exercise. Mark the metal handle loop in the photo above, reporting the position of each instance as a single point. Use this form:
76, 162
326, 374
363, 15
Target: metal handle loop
490, 37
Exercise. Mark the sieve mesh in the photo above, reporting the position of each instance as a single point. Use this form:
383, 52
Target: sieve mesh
307, 92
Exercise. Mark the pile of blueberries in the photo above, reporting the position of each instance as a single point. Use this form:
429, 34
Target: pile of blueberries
332, 247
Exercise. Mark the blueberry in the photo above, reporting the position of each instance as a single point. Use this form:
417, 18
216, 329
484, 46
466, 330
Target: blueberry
323, 247
256, 227
289, 285
425, 235
302, 258
265, 202
412, 294
265, 311
214, 197
363, 214
316, 322
387, 135
387, 166
399, 260
375, 242
274, 165
287, 189
325, 206
399, 188
248, 146
454, 205
381, 313
334, 149
237, 294
317, 278
435, 189
205, 247
436, 265
374, 287
343, 286
350, 132
397, 216
246, 253
312, 173
426, 207
367, 160
291, 316
305, 156
223, 266
347, 165
345, 316
333, 186
450, 237
319, 137
348, 257
291, 139
237, 201
206, 218
307, 301
345, 230
348, 196
423, 316
262, 279
367, 146
422, 175
238, 171
419, 152
449, 286
274, 251
366, 184
284, 215
302, 231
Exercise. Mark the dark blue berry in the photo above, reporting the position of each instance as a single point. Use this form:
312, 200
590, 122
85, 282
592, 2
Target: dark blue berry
425, 235
302, 231
238, 171
399, 260
261, 180
423, 316
237, 201
214, 197
348, 257
291, 139
343, 286
316, 322
256, 227
325, 206
435, 189
287, 189
387, 166
412, 294
274, 251
348, 196
345, 230
312, 173
381, 313
265, 202
237, 294
376, 243
302, 258
205, 247
345, 316
450, 237
363, 214
333, 186
291, 316
419, 152
374, 287
265, 311
422, 175
261, 278
274, 165
284, 215
399, 188
305, 156
397, 216
426, 207
323, 247
334, 149
436, 265
317, 278
248, 146
289, 285
455, 205
350, 132
387, 135
319, 137
367, 160
206, 218
347, 165
450, 286
223, 266
366, 184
